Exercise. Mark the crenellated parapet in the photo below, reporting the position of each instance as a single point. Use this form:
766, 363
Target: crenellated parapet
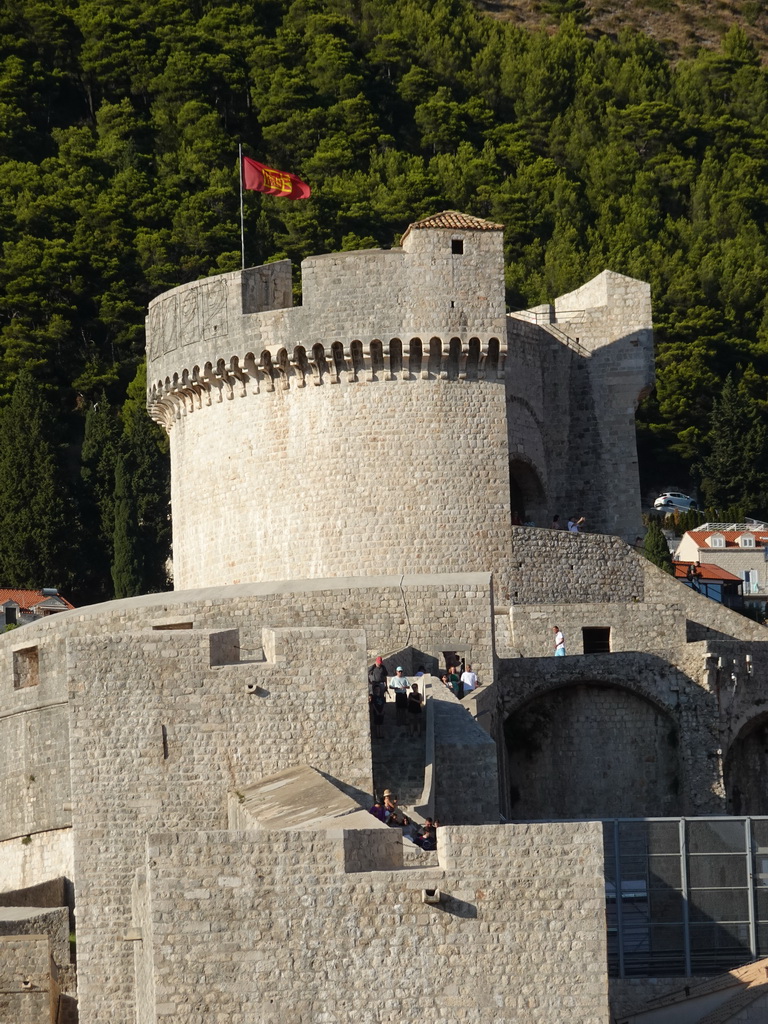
355, 362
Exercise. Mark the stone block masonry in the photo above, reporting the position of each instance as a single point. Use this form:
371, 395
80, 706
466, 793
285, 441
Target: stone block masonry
396, 358
186, 734
28, 989
518, 935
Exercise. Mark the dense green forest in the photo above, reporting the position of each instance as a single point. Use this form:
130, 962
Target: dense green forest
119, 126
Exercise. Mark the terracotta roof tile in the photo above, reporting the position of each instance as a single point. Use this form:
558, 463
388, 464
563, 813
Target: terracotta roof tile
706, 570
453, 220
28, 599
700, 537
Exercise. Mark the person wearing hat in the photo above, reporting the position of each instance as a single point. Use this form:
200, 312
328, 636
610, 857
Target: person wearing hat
399, 685
390, 808
377, 674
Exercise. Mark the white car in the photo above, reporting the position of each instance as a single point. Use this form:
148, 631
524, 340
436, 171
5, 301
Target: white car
671, 500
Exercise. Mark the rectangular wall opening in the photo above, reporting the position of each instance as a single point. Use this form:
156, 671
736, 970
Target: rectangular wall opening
26, 668
596, 639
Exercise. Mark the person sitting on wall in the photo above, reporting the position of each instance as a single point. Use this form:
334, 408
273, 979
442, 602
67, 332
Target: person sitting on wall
429, 836
378, 812
411, 831
556, 524
391, 809
377, 673
445, 680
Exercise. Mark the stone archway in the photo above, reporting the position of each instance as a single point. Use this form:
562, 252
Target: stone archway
746, 769
526, 494
591, 750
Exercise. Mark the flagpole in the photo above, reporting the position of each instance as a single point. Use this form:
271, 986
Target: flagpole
242, 224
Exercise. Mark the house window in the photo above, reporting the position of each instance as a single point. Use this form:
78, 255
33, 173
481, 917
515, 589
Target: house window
26, 668
717, 540
596, 639
10, 614
746, 540
457, 246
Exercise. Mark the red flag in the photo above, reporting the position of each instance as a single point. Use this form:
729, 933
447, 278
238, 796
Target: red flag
260, 178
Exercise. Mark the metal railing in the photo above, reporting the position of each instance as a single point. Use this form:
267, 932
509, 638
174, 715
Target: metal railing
685, 896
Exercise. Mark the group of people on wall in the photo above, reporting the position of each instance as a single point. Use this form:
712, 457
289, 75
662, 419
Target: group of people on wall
408, 695
575, 523
387, 810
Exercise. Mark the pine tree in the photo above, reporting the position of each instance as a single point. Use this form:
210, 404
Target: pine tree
126, 565
39, 530
656, 549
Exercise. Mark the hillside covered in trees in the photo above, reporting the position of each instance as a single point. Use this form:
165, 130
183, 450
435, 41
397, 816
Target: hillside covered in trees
119, 126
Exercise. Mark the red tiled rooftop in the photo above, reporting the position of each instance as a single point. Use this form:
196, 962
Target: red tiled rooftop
706, 571
700, 537
453, 220
28, 599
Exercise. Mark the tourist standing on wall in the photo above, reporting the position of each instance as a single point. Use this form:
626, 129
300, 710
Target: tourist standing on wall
454, 678
556, 523
377, 675
377, 702
575, 523
400, 686
559, 643
415, 716
468, 680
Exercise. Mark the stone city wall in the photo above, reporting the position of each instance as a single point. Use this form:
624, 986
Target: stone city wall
557, 575
335, 500
590, 362
518, 935
52, 922
28, 994
576, 735
465, 769
36, 858
553, 566
432, 614
185, 734
34, 767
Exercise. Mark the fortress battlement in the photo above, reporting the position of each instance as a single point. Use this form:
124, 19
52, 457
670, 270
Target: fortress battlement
352, 363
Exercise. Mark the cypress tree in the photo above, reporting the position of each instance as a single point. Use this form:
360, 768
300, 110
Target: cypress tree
97, 472
656, 549
735, 471
39, 530
126, 565
146, 449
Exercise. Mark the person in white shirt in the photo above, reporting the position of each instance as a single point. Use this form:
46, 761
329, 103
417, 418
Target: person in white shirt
469, 679
399, 684
559, 643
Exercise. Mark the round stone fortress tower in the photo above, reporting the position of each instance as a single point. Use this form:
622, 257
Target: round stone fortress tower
361, 433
